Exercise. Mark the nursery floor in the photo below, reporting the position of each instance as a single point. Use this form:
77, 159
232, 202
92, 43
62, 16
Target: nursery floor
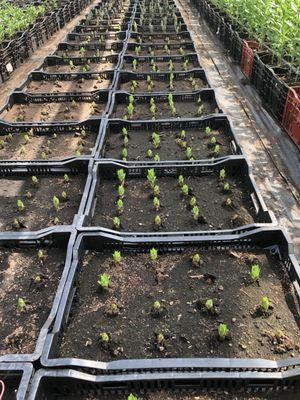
275, 159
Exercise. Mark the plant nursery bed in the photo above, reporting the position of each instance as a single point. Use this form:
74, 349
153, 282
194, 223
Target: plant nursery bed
172, 141
26, 108
163, 106
28, 192
68, 65
42, 83
162, 288
176, 211
160, 64
162, 82
57, 142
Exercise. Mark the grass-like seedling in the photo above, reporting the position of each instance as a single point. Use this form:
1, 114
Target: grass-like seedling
223, 332
103, 281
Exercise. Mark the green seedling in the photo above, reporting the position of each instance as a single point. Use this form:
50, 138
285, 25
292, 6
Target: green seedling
189, 153
223, 332
130, 110
279, 335
117, 257
71, 65
156, 191
64, 196
21, 304
222, 174
121, 192
132, 397
213, 140
9, 137
228, 202
104, 337
186, 65
120, 206
117, 223
153, 254
28, 195
20, 205
180, 180
207, 131
195, 212
156, 140
156, 158
182, 134
56, 220
125, 141
226, 187
160, 338
153, 110
151, 177
193, 201
209, 304
196, 259
121, 176
265, 304
149, 153
26, 139
185, 190
134, 85
255, 272
124, 132
200, 110
103, 281
34, 180
56, 203
156, 305
157, 221
156, 203
66, 178
124, 154
41, 255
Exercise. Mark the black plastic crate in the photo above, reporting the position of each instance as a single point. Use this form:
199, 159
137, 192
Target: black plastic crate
45, 132
45, 239
101, 97
199, 75
207, 97
95, 37
76, 77
143, 61
113, 128
74, 167
66, 383
161, 36
16, 378
235, 166
92, 49
274, 241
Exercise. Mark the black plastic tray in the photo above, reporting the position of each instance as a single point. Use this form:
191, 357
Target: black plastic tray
217, 122
62, 238
235, 165
276, 241
188, 46
68, 382
161, 35
16, 376
113, 46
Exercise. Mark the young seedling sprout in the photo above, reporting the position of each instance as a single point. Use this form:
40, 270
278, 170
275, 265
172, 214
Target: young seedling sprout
156, 203
156, 140
265, 304
207, 131
41, 255
157, 305
195, 212
196, 260
134, 85
103, 281
156, 158
180, 180
117, 223
117, 257
160, 338
104, 338
64, 196
222, 174
189, 153
255, 272
134, 64
121, 176
209, 304
34, 180
121, 192
193, 202
124, 132
156, 191
28, 195
149, 153
157, 221
120, 206
124, 154
21, 304
223, 332
151, 177
226, 187
66, 178
20, 205
153, 254
56, 203
132, 397
185, 190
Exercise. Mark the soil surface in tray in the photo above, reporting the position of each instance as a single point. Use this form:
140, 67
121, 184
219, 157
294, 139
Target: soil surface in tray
51, 112
180, 85
162, 66
188, 328
46, 147
170, 148
175, 211
184, 109
74, 86
77, 53
186, 395
158, 52
91, 67
158, 39
24, 275
39, 211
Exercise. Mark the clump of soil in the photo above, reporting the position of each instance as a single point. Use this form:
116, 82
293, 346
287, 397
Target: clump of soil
39, 211
24, 275
175, 211
188, 330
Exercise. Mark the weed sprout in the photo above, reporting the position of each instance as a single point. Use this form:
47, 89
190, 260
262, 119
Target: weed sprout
103, 281
223, 332
117, 256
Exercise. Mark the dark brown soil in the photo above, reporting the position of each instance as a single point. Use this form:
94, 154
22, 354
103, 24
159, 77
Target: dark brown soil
74, 86
18, 270
157, 52
175, 212
189, 329
164, 86
189, 395
184, 109
52, 112
88, 53
39, 210
93, 67
46, 147
162, 66
157, 40
141, 140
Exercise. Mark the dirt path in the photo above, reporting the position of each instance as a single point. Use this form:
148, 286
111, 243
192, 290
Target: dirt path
31, 63
274, 158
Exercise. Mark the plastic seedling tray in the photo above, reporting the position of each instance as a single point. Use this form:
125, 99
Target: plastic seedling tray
67, 344
16, 377
247, 209
90, 50
68, 383
195, 104
161, 37
78, 82
28, 203
55, 64
23, 331
170, 29
160, 49
182, 81
26, 109
140, 139
94, 37
162, 62
50, 142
